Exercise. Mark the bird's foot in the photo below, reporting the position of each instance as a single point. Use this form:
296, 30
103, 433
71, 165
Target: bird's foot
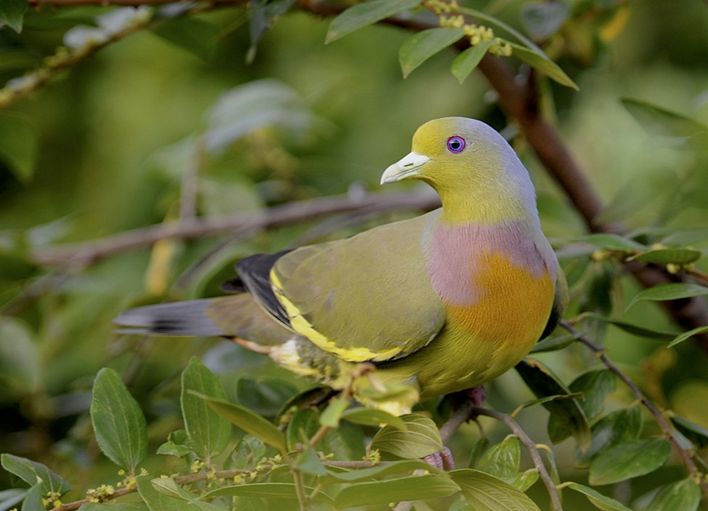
250, 345
477, 396
441, 460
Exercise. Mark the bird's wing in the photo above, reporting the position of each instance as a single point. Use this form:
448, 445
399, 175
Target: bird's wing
365, 298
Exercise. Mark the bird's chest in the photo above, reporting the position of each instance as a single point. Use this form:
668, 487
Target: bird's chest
494, 282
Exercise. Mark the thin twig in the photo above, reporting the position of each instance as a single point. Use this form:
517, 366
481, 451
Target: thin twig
89, 252
190, 183
661, 420
530, 445
181, 480
456, 420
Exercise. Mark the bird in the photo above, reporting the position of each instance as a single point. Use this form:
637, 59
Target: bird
435, 304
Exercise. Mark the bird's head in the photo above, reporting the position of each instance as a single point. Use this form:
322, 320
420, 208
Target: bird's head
470, 165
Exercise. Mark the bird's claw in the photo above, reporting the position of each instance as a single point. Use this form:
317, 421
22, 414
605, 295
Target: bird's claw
441, 460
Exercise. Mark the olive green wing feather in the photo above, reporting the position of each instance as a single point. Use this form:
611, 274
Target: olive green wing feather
365, 298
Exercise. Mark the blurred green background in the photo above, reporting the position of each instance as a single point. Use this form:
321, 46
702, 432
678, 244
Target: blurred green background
103, 149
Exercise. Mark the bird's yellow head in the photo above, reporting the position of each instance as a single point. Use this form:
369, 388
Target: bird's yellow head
471, 166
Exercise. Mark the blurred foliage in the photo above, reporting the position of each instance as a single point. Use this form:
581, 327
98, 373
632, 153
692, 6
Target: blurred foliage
157, 100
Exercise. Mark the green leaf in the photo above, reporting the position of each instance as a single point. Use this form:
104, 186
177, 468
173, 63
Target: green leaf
617, 427
487, 493
526, 479
684, 495
543, 19
687, 335
384, 468
639, 331
554, 343
34, 499
267, 490
597, 499
502, 460
371, 417
12, 13
664, 292
208, 432
34, 473
20, 362
659, 121
302, 426
8, 498
248, 421
628, 460
176, 445
423, 45
115, 506
333, 413
680, 256
117, 420
420, 438
309, 462
372, 493
468, 60
542, 63
159, 501
346, 442
611, 242
567, 416
694, 432
19, 143
197, 36
367, 13
594, 387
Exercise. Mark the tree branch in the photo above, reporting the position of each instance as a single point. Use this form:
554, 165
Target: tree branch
661, 420
90, 252
530, 446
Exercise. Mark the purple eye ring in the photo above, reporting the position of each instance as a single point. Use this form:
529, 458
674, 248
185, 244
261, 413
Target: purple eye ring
456, 144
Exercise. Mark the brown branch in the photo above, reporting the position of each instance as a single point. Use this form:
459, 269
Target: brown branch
89, 252
530, 446
661, 420
127, 490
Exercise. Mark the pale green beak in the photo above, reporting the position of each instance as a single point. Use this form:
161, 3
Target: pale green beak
404, 168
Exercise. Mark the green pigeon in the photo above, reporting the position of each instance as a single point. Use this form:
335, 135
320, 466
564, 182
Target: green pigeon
436, 304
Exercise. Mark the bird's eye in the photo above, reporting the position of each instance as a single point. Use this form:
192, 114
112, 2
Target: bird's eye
456, 144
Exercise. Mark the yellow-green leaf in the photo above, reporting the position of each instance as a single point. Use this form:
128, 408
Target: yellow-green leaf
423, 45
674, 291
118, 421
567, 414
628, 460
679, 256
683, 495
420, 438
371, 417
687, 335
372, 493
468, 60
34, 473
542, 63
208, 431
12, 13
364, 14
487, 493
248, 421
597, 499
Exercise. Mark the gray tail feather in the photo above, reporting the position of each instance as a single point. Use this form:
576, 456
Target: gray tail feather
189, 318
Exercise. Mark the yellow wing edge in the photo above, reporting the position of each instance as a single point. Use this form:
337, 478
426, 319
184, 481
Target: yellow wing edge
304, 328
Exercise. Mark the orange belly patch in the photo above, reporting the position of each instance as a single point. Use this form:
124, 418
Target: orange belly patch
513, 305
